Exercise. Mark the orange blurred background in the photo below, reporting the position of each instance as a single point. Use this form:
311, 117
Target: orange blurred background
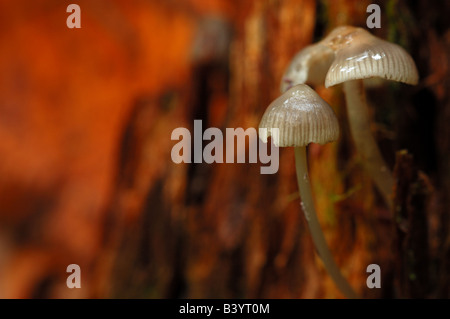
86, 175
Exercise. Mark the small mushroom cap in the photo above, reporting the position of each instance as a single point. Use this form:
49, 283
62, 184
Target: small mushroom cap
301, 116
360, 55
309, 66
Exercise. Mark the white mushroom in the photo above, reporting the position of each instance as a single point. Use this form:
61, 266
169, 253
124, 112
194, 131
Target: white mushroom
301, 117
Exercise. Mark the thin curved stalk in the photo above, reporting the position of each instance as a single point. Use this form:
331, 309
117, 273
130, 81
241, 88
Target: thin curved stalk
358, 118
314, 226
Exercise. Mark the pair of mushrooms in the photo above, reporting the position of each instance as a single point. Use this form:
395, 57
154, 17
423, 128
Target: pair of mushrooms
347, 55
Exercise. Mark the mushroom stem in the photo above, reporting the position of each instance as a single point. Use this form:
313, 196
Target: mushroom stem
358, 117
314, 226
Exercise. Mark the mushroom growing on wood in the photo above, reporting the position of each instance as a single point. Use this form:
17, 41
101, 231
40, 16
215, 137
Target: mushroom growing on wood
357, 55
300, 117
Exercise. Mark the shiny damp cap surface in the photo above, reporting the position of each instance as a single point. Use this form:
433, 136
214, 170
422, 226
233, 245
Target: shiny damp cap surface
301, 117
360, 55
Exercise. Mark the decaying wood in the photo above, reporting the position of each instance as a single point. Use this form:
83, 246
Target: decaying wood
86, 174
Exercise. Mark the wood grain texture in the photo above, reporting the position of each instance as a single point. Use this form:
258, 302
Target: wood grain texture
86, 175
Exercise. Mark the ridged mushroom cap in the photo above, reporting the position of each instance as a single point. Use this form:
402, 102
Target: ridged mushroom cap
349, 53
360, 55
301, 117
